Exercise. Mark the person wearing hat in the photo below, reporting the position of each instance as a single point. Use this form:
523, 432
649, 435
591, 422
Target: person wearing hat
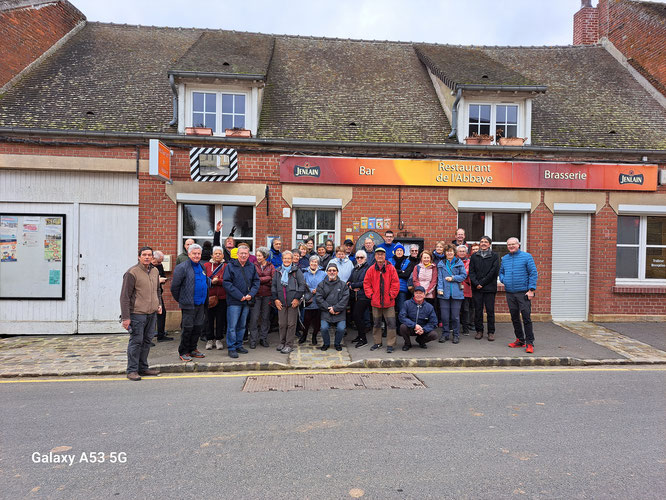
404, 268
332, 297
381, 286
349, 250
418, 318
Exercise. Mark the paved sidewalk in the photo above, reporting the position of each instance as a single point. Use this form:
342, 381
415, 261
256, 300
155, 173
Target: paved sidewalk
565, 344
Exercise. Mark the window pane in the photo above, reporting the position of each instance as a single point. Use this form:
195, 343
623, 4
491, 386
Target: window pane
655, 263
627, 229
198, 120
239, 121
246, 240
322, 236
198, 220
239, 101
501, 114
505, 226
656, 230
210, 121
501, 249
473, 113
484, 129
511, 131
512, 114
485, 114
210, 103
227, 121
305, 219
227, 103
326, 219
626, 262
197, 101
239, 216
473, 223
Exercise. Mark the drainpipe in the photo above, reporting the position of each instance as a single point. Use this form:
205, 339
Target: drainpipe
454, 114
175, 101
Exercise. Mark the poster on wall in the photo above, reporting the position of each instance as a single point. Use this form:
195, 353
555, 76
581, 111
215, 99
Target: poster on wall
32, 256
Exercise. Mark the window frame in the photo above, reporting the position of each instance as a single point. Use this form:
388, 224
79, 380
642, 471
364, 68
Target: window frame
337, 213
214, 89
488, 224
219, 208
522, 119
642, 251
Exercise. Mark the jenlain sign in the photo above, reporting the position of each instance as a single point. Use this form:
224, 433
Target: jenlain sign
631, 178
306, 170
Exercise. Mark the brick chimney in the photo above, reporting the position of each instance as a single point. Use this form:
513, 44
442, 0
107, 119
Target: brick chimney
586, 24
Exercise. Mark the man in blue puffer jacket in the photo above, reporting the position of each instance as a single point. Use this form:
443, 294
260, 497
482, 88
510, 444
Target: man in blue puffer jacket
519, 275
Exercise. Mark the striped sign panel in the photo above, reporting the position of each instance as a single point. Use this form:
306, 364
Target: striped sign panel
194, 164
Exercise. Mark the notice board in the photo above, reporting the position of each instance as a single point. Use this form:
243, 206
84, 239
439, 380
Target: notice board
32, 256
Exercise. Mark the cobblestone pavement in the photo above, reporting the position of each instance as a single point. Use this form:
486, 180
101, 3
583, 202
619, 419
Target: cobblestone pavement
622, 344
558, 344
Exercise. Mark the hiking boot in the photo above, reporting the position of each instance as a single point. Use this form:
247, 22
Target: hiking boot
242, 350
479, 335
456, 340
253, 344
517, 343
406, 347
150, 372
233, 354
529, 349
133, 376
491, 337
209, 345
263, 342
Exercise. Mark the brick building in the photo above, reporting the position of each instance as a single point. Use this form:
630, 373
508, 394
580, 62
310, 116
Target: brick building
346, 138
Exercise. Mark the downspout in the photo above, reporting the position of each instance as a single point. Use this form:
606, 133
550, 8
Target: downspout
454, 114
175, 101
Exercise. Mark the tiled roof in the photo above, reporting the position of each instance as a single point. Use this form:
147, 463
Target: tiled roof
456, 65
349, 90
230, 52
329, 89
116, 72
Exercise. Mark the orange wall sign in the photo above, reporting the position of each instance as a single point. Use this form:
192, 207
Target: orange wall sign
467, 173
159, 160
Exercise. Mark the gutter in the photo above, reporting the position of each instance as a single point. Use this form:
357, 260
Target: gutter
454, 114
411, 147
503, 88
227, 76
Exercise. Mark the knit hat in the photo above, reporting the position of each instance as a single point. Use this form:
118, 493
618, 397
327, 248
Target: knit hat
332, 265
398, 245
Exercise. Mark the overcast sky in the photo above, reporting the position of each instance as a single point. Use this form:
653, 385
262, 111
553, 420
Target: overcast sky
467, 22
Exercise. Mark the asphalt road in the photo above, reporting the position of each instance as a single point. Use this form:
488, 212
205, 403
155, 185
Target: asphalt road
514, 433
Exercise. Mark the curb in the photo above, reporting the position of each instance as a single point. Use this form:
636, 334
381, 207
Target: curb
195, 367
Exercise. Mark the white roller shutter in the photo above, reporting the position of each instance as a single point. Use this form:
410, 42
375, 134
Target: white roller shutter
570, 267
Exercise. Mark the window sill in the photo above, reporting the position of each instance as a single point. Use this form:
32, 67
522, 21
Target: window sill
659, 289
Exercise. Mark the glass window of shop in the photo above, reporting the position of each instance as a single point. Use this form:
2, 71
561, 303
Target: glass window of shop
500, 226
198, 223
641, 248
318, 224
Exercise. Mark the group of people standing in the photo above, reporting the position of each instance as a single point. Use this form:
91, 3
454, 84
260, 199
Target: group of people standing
410, 293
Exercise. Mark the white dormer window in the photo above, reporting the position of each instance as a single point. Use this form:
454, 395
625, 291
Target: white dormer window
499, 119
219, 110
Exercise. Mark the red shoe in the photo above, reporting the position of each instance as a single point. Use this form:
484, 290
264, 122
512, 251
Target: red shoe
197, 354
529, 349
517, 343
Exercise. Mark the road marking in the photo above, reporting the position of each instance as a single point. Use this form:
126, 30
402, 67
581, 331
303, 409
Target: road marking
415, 371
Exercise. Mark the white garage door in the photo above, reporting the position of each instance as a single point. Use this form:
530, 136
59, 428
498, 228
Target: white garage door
570, 265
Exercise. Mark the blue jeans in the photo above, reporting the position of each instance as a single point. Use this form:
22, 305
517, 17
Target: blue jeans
450, 309
236, 319
339, 332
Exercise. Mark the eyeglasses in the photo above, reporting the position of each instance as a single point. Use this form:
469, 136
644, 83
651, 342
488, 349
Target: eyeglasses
332, 271
359, 257
413, 251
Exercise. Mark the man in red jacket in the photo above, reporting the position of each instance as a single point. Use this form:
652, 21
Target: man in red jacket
381, 286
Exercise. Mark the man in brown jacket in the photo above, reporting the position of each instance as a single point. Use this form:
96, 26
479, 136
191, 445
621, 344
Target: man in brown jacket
140, 302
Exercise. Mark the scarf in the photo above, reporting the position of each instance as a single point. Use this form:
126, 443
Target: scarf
284, 275
381, 271
485, 253
399, 261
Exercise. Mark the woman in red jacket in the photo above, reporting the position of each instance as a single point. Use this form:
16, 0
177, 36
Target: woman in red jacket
217, 315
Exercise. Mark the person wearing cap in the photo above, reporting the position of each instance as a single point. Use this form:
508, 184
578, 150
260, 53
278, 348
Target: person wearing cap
381, 286
345, 266
332, 297
349, 250
418, 319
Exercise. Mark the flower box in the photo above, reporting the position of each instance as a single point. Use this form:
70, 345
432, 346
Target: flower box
238, 132
198, 131
511, 141
481, 140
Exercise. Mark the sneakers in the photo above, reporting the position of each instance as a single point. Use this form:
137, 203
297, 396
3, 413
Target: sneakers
133, 376
389, 349
209, 345
529, 349
233, 354
219, 345
185, 357
361, 343
279, 347
197, 354
517, 343
375, 347
456, 340
286, 350
443, 338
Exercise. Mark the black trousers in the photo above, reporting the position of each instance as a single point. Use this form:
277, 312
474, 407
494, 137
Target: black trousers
161, 322
360, 308
193, 323
406, 333
217, 321
520, 305
481, 300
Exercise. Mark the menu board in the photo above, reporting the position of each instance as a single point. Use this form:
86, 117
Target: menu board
32, 256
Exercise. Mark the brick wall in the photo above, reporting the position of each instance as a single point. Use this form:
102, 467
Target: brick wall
27, 33
586, 26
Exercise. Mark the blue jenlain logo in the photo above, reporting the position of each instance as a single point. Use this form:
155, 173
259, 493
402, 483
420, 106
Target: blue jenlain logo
631, 178
306, 171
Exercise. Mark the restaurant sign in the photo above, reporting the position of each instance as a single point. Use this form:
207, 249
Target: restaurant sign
468, 173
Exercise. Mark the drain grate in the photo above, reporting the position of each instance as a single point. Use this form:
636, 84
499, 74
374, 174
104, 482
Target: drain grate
324, 382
